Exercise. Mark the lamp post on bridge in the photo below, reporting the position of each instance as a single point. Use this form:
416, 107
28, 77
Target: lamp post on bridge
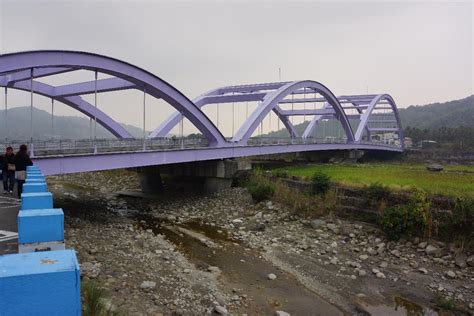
6, 114
31, 114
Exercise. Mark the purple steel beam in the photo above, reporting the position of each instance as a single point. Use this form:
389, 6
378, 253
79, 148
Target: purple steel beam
84, 163
229, 98
272, 100
152, 84
79, 104
384, 129
251, 87
10, 78
307, 112
103, 85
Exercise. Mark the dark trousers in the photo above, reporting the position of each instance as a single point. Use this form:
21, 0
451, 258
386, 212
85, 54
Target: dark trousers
8, 180
20, 187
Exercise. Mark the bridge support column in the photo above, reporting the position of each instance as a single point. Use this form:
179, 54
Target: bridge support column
150, 180
208, 176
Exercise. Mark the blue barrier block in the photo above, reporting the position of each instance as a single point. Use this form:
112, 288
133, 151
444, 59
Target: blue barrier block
34, 173
28, 168
34, 180
35, 177
35, 187
40, 225
40, 283
34, 201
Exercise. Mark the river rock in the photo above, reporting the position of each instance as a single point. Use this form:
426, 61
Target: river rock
422, 244
221, 310
271, 276
317, 223
333, 228
431, 250
451, 274
423, 270
281, 313
214, 270
470, 261
148, 285
434, 167
460, 261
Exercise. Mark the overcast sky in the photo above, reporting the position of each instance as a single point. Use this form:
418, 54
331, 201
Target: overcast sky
417, 52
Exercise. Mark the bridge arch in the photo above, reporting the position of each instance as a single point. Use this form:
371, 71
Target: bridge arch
364, 119
272, 99
49, 60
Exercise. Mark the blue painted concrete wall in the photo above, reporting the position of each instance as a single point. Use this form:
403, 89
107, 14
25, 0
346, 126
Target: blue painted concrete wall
40, 283
40, 225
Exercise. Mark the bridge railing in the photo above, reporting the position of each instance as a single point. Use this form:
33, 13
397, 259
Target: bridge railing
88, 146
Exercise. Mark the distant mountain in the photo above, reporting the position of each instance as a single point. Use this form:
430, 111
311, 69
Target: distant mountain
67, 127
448, 114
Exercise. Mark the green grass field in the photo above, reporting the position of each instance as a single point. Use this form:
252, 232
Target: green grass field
453, 181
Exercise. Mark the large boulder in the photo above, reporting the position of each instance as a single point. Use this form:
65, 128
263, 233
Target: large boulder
434, 167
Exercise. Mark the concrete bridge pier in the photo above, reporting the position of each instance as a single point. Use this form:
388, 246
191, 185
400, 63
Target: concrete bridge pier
207, 176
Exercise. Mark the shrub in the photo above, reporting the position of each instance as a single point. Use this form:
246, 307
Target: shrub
377, 192
300, 203
280, 173
320, 183
93, 298
411, 219
463, 214
260, 188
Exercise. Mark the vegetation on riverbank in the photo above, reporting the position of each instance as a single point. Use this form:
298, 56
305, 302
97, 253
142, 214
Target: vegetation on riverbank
454, 181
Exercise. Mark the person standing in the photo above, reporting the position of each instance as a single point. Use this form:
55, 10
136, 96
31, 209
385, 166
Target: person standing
8, 170
21, 160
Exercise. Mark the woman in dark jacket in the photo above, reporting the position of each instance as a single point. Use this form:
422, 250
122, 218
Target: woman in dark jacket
21, 160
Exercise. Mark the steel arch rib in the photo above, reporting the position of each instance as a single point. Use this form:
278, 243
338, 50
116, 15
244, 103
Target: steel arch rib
153, 85
365, 117
79, 104
272, 100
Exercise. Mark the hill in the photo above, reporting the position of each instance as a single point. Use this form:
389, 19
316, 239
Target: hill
67, 127
452, 114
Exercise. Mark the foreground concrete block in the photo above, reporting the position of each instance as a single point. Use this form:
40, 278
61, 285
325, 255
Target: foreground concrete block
28, 168
35, 187
34, 180
34, 177
34, 201
40, 283
40, 225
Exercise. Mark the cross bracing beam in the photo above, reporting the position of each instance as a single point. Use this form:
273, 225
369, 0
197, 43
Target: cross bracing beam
88, 87
307, 112
384, 129
382, 121
25, 74
251, 87
229, 98
78, 104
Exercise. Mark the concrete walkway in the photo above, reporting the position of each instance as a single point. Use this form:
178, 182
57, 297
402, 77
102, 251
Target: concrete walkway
9, 208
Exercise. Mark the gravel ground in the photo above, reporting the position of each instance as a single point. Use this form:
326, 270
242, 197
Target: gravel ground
187, 254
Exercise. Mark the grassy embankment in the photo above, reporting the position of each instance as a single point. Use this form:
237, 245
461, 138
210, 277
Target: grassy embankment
453, 181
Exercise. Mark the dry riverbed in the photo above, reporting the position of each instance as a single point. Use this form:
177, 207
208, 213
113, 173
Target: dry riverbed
188, 254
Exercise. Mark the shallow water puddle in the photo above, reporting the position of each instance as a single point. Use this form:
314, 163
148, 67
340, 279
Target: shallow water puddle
401, 307
242, 268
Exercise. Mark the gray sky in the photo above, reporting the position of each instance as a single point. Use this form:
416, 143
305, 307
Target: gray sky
417, 52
